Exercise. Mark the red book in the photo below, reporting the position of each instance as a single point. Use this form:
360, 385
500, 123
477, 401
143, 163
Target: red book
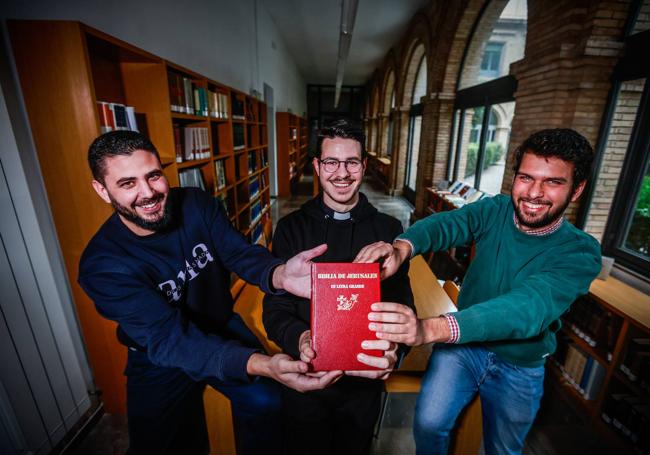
341, 295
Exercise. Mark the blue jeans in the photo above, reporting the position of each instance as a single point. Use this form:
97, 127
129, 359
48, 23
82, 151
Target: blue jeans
510, 397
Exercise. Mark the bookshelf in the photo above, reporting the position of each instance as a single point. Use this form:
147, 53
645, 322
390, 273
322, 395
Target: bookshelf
207, 134
292, 143
603, 362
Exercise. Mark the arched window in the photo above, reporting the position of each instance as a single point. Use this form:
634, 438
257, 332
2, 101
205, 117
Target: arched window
415, 124
485, 98
388, 105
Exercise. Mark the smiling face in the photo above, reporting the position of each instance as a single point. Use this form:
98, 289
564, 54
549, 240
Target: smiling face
542, 190
340, 188
137, 189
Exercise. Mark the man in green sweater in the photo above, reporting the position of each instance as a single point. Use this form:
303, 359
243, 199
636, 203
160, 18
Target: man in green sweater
530, 265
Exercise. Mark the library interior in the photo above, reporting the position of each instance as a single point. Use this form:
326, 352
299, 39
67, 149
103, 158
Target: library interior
233, 96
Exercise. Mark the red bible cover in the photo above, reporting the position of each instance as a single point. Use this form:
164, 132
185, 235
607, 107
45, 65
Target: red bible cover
341, 295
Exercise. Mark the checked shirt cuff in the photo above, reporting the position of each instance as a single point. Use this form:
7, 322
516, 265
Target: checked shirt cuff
453, 328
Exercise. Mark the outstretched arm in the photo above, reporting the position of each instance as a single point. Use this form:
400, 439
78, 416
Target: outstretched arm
295, 275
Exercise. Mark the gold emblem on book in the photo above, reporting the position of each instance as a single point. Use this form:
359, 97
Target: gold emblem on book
345, 304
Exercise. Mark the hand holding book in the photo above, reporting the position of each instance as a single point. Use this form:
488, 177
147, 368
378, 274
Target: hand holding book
386, 362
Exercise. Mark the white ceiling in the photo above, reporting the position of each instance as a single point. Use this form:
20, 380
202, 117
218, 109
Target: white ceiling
310, 29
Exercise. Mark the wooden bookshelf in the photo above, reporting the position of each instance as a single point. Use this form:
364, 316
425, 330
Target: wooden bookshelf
65, 68
292, 145
628, 319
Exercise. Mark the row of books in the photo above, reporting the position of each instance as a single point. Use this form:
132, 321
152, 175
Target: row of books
594, 324
116, 116
220, 168
630, 415
238, 108
636, 365
191, 178
256, 211
191, 143
257, 234
581, 370
226, 202
189, 98
252, 161
253, 187
239, 141
460, 193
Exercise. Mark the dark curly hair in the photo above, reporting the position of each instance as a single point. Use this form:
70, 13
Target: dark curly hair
115, 143
563, 143
341, 128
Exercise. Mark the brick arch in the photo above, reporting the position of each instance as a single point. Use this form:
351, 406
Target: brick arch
446, 76
418, 33
388, 80
416, 52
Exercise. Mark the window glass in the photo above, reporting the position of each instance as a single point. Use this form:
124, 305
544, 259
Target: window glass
420, 87
491, 61
496, 147
413, 152
469, 140
642, 21
637, 239
499, 40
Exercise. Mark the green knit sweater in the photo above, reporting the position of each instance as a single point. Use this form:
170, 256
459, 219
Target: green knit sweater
518, 285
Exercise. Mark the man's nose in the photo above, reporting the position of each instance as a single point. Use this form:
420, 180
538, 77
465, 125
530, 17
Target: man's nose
342, 170
536, 190
145, 190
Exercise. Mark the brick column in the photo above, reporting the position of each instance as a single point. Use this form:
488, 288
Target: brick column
434, 145
400, 151
564, 80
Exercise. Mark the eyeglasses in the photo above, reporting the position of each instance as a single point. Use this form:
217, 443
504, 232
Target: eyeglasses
331, 165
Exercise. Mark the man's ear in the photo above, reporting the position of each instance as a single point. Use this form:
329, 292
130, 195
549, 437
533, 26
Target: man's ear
315, 163
578, 191
101, 191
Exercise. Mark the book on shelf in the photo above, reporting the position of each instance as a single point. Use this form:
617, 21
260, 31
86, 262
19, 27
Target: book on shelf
580, 369
262, 180
239, 141
181, 93
196, 143
636, 365
629, 415
341, 296
178, 147
593, 323
253, 187
257, 233
237, 108
191, 178
217, 104
221, 174
200, 101
256, 211
251, 162
264, 160
225, 202
116, 116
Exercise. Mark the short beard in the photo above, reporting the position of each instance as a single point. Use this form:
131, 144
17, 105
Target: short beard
548, 219
158, 225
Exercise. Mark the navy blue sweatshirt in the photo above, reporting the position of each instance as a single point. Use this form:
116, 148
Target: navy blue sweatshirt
169, 291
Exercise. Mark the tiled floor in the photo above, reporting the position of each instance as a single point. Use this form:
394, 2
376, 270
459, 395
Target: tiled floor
558, 429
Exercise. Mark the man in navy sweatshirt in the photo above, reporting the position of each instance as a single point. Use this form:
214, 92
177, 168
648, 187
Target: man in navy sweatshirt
160, 268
